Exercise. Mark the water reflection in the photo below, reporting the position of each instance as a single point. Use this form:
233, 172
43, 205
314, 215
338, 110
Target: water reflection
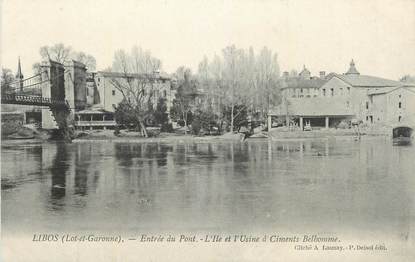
258, 184
58, 170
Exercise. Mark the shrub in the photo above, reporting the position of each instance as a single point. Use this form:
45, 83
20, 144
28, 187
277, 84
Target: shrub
196, 126
343, 125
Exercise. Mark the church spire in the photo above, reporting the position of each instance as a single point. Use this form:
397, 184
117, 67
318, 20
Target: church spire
19, 74
352, 70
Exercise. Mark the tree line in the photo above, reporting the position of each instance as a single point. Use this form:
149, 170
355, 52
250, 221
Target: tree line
228, 91
231, 90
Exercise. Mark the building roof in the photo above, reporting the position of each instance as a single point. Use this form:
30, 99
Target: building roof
299, 82
352, 69
160, 76
93, 112
386, 90
314, 106
367, 81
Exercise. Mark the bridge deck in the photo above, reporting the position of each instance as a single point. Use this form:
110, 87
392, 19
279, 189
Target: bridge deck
32, 100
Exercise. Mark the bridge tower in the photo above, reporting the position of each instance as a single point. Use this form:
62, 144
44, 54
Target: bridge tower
75, 84
56, 116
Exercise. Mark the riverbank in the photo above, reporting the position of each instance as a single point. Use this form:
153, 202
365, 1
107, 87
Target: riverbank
326, 133
275, 134
125, 136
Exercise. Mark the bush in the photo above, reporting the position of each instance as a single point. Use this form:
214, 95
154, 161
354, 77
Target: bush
167, 128
196, 126
343, 125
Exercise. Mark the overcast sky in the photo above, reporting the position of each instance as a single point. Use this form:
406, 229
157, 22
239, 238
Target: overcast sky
322, 34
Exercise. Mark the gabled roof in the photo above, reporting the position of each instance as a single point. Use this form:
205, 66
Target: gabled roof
390, 89
314, 106
160, 76
367, 81
299, 82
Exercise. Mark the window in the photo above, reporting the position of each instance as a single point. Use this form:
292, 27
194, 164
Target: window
367, 105
399, 118
113, 92
164, 93
331, 91
324, 92
87, 91
348, 90
347, 104
400, 105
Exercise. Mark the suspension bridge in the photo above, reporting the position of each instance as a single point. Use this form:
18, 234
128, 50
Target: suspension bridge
45, 89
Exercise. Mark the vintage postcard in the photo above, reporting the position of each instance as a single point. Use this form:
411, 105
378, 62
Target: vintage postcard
190, 130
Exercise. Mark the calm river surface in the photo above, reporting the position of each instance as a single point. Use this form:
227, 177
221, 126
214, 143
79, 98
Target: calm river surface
326, 185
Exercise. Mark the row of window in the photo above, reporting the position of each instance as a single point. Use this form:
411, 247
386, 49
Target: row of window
155, 81
299, 92
367, 104
370, 118
157, 93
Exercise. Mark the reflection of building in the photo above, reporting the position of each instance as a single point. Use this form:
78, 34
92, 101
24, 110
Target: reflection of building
327, 100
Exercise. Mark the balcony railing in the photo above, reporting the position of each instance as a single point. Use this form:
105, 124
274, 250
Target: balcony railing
96, 123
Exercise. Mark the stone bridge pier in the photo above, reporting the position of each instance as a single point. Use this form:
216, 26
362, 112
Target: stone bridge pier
63, 83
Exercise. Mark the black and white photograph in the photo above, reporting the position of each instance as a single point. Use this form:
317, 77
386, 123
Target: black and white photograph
190, 130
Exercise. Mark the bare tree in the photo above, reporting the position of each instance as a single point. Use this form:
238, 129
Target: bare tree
7, 79
241, 80
62, 54
88, 60
134, 78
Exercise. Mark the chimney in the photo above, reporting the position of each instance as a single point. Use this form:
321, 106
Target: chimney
322, 74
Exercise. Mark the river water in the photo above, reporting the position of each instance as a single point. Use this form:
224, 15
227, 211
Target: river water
257, 185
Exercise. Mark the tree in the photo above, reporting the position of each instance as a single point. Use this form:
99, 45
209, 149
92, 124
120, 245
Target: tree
240, 81
124, 115
134, 78
63, 54
88, 60
239, 119
7, 79
184, 102
161, 117
203, 120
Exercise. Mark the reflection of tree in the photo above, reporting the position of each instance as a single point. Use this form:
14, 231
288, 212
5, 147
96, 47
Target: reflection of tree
127, 153
82, 160
59, 168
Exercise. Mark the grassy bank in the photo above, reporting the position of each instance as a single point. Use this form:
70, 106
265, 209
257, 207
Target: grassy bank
124, 136
324, 133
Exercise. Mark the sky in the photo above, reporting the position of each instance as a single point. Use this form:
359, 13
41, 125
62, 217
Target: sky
323, 35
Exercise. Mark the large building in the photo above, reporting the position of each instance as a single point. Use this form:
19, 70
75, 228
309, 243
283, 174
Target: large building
325, 101
110, 96
395, 105
103, 93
